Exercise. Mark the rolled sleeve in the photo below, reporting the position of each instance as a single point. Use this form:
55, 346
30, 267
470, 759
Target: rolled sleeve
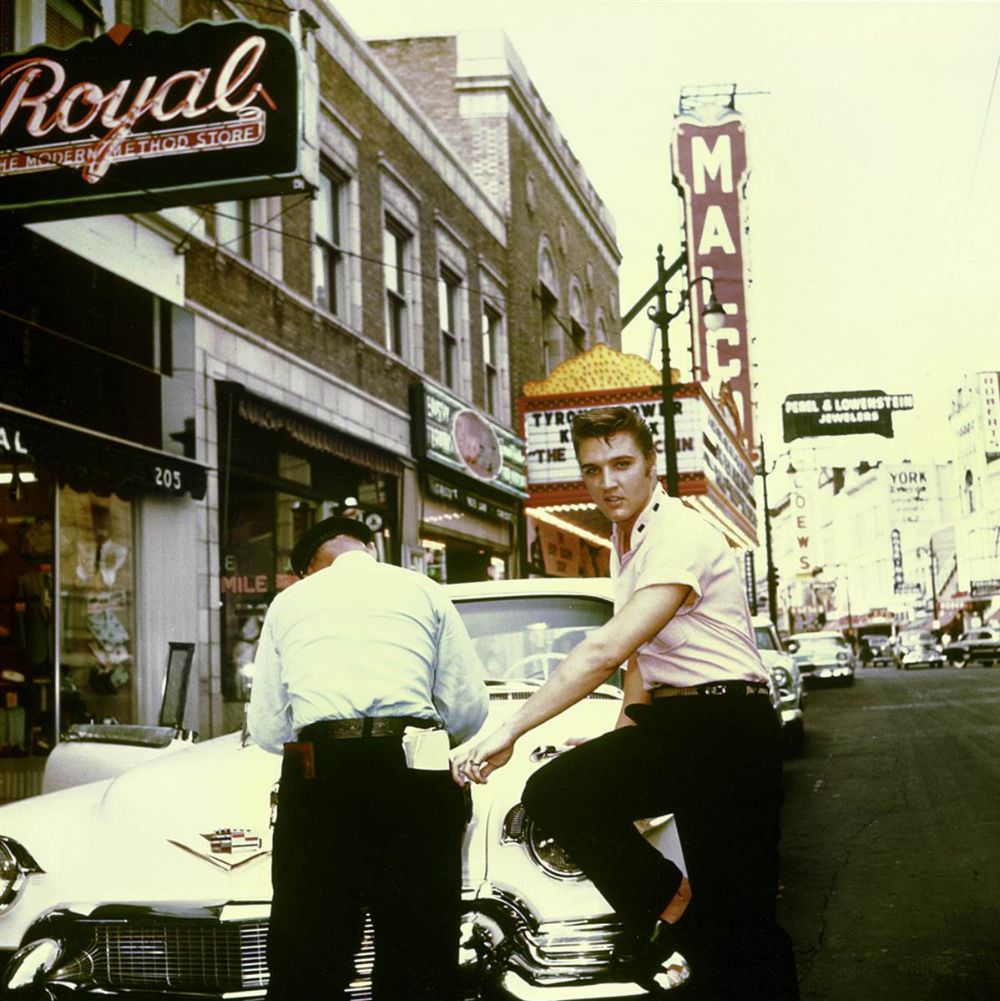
459, 691
269, 714
673, 562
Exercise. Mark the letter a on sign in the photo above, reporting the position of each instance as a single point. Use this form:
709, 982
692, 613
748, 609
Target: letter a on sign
715, 232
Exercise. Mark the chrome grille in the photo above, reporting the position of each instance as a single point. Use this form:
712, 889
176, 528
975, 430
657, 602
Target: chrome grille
193, 956
179, 956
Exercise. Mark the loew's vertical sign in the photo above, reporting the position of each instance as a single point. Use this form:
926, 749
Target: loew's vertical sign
710, 170
131, 121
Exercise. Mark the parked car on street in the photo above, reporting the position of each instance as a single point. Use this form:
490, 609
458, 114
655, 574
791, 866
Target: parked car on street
787, 681
976, 646
919, 648
823, 656
156, 882
881, 651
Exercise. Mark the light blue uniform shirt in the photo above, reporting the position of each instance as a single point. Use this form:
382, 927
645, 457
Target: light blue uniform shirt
362, 638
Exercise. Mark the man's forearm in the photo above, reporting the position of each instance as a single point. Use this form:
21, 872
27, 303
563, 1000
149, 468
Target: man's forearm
576, 677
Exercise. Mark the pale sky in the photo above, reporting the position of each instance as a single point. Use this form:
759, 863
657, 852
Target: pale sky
873, 201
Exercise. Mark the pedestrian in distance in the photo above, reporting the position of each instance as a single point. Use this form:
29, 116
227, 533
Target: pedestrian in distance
364, 678
697, 737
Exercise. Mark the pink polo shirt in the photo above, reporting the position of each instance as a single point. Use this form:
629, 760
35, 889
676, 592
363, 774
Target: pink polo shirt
710, 638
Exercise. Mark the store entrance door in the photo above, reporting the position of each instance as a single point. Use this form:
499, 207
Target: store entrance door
466, 561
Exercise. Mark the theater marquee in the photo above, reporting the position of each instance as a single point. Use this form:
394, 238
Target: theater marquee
132, 121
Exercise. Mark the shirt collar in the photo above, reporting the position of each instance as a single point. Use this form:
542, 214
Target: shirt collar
656, 503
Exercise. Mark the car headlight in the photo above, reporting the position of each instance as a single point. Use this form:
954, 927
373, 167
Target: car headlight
544, 850
15, 865
781, 677
843, 656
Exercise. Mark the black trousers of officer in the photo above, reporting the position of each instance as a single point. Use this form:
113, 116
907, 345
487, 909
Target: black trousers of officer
365, 832
715, 763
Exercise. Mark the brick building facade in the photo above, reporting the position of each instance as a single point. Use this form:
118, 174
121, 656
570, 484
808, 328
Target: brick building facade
357, 347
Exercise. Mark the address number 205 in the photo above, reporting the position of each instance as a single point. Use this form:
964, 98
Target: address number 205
170, 479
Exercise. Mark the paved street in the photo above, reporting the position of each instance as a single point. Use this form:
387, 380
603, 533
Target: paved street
891, 857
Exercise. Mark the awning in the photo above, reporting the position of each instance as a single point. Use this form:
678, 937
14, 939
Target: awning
89, 460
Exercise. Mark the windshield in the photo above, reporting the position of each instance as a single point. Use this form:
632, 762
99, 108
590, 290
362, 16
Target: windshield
808, 644
523, 639
765, 638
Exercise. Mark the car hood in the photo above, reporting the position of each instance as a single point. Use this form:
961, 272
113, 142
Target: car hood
773, 659
140, 837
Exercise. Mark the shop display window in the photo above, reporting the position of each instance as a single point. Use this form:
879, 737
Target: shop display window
97, 597
27, 661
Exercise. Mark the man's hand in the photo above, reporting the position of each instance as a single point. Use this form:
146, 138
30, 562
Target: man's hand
475, 762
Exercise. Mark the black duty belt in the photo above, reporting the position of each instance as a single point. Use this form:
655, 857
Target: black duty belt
713, 688
363, 726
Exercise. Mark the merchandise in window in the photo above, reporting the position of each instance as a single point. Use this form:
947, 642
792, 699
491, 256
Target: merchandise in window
96, 588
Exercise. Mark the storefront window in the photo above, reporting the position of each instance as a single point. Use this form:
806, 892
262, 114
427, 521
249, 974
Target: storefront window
96, 589
27, 602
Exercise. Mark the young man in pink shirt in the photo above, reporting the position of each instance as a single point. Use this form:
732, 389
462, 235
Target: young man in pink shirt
697, 737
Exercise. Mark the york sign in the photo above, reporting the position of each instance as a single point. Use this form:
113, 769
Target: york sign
710, 169
133, 121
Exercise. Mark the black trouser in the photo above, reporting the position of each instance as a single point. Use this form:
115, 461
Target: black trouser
715, 763
366, 832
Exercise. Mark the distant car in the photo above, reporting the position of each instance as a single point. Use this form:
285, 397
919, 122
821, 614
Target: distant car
919, 649
976, 646
787, 681
823, 656
882, 651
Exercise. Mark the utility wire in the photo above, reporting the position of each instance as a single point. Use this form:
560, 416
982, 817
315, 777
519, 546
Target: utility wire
979, 150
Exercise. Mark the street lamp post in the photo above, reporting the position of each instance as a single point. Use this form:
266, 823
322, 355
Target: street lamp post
715, 318
932, 558
772, 574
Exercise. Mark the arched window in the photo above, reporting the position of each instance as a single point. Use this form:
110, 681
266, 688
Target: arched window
969, 492
600, 328
553, 348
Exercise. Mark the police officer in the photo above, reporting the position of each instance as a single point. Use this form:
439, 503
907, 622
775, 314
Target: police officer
357, 660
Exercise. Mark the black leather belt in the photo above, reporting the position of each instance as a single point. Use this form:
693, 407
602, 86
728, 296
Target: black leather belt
713, 688
363, 726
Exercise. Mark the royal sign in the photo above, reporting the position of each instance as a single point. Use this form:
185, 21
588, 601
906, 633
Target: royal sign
710, 170
137, 122
866, 411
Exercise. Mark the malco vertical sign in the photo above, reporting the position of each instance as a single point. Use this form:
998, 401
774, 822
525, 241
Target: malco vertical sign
131, 121
710, 169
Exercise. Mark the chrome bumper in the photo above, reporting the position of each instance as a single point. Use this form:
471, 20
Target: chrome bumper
218, 951
529, 960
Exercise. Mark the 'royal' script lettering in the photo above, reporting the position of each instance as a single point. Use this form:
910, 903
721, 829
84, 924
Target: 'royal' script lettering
36, 89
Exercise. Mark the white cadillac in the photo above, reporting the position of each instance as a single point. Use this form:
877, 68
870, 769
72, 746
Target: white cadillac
156, 882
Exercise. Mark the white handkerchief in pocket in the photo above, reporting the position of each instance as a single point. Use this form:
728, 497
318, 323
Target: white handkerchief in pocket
426, 750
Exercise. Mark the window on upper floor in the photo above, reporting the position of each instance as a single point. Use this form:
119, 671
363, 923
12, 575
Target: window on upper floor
150, 15
969, 492
600, 329
396, 242
131, 12
450, 322
492, 329
234, 227
67, 22
330, 275
6, 25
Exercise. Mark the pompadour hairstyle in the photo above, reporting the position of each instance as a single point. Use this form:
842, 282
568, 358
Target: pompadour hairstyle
607, 421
